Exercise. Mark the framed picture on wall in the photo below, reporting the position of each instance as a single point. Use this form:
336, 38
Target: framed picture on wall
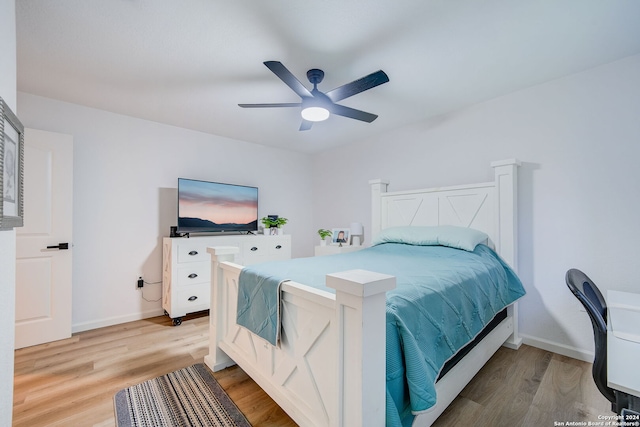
11, 169
340, 236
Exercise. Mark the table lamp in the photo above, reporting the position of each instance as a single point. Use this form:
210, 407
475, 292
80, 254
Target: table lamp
357, 230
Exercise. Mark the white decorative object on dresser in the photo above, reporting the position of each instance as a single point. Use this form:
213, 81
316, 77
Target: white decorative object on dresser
186, 267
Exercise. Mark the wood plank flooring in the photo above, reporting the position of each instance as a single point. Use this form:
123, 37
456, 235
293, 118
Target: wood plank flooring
528, 387
72, 382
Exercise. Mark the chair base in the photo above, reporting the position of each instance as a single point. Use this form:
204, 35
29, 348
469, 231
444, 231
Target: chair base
625, 401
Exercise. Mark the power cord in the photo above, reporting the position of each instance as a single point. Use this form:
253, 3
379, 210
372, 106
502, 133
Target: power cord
142, 291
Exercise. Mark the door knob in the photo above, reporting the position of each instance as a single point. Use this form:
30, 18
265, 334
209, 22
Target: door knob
60, 246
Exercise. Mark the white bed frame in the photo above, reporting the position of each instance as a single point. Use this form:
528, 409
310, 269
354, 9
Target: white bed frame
329, 369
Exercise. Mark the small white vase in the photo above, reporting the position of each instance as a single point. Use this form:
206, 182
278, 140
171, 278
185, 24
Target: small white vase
323, 242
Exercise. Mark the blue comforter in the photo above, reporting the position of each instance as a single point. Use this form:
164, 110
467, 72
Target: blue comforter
444, 297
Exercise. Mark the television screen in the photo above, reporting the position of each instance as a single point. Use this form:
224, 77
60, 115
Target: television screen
215, 207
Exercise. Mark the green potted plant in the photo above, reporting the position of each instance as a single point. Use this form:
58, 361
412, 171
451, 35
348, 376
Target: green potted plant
324, 233
273, 223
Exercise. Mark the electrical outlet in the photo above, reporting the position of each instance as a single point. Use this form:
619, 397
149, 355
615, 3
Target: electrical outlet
140, 282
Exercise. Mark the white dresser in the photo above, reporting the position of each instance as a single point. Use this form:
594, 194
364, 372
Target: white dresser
186, 267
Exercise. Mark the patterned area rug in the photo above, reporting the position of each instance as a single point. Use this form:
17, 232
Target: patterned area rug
188, 397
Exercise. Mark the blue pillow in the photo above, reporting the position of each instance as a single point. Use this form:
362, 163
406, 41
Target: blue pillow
441, 235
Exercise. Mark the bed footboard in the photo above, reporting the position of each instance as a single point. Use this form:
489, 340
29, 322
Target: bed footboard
317, 374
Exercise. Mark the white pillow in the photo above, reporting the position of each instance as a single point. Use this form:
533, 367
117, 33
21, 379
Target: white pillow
441, 235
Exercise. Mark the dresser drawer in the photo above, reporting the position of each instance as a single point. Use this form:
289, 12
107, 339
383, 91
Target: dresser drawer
193, 298
252, 252
280, 250
192, 252
265, 249
193, 273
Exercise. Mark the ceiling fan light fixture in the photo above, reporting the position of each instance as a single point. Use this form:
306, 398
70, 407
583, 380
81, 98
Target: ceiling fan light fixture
315, 114
316, 105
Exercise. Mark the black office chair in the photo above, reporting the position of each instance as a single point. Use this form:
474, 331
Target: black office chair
588, 294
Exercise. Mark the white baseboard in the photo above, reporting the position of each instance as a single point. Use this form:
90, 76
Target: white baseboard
110, 321
565, 350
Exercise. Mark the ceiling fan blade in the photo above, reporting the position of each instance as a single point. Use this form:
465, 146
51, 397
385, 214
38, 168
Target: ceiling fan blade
357, 86
305, 125
282, 104
352, 113
289, 79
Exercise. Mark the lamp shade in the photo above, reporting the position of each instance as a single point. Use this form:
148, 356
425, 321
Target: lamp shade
356, 229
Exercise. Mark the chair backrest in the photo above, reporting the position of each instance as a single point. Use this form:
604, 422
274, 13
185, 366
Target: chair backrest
589, 295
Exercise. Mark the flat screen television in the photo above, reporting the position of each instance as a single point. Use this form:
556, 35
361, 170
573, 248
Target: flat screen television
205, 207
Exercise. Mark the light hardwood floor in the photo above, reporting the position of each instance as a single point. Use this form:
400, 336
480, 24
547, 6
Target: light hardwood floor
72, 382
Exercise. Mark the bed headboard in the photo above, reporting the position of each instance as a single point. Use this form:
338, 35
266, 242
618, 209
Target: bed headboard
490, 207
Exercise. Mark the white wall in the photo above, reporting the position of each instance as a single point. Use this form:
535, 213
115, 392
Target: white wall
579, 185
7, 238
125, 178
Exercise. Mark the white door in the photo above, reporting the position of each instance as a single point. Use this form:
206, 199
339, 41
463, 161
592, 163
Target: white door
43, 266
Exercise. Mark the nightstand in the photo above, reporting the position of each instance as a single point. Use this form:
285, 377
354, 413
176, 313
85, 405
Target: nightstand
331, 250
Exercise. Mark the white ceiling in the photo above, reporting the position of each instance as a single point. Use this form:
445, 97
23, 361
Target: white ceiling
189, 63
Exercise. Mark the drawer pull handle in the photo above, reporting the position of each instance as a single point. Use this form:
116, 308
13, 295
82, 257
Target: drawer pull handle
192, 276
279, 247
254, 249
193, 253
60, 246
193, 298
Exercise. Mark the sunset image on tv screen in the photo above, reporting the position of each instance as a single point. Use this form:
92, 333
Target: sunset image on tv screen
212, 206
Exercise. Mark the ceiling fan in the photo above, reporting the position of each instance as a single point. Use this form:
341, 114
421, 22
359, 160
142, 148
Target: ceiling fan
316, 106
